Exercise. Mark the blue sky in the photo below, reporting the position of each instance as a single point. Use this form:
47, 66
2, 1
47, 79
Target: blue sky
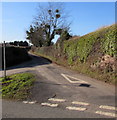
85, 16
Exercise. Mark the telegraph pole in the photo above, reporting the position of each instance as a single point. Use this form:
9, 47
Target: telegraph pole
4, 54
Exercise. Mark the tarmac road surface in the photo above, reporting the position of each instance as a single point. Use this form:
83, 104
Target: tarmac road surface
60, 93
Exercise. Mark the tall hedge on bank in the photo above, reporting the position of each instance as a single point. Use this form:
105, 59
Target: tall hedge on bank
14, 56
94, 54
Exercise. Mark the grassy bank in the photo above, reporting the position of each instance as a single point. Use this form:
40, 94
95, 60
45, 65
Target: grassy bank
17, 86
85, 69
94, 54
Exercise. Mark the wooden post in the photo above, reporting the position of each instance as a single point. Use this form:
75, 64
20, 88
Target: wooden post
4, 54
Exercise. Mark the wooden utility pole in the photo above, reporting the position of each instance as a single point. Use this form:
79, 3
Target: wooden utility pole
4, 54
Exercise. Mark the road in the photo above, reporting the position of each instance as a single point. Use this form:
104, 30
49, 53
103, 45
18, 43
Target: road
60, 93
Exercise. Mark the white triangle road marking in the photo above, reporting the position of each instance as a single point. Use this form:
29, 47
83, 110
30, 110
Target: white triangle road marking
78, 80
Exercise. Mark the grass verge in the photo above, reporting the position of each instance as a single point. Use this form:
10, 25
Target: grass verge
17, 86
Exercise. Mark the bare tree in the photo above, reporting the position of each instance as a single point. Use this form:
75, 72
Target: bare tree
51, 19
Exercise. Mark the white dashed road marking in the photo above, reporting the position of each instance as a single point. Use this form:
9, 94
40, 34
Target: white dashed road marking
49, 104
106, 113
78, 80
25, 102
107, 107
80, 103
76, 108
31, 102
57, 100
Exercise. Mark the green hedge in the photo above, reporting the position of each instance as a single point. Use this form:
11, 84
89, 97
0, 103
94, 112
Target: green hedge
15, 55
83, 46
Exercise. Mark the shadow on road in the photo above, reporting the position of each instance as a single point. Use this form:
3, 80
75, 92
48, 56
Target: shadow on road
75, 85
34, 61
84, 85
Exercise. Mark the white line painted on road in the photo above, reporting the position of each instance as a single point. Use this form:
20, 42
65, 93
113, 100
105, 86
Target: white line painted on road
80, 103
49, 104
32, 102
66, 77
26, 102
108, 107
106, 113
78, 80
29, 102
56, 100
76, 108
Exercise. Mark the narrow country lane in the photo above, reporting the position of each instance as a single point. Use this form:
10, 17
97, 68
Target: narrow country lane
60, 93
